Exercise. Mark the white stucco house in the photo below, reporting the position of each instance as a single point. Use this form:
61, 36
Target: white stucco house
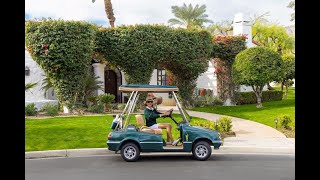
113, 78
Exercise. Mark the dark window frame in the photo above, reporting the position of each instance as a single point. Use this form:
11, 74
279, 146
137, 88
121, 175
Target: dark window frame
162, 78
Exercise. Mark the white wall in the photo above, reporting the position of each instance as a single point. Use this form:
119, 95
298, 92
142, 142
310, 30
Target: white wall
208, 79
35, 94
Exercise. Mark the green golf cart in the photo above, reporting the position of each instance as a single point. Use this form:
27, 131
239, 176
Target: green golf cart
131, 139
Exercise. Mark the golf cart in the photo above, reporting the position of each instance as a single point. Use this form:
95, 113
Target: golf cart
131, 139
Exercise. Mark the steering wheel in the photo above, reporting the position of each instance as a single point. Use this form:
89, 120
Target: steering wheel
170, 116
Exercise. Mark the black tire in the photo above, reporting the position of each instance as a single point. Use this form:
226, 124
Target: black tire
201, 151
130, 152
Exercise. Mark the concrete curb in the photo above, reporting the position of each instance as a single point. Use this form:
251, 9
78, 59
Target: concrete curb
105, 151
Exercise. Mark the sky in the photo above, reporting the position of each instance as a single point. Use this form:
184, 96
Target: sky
130, 12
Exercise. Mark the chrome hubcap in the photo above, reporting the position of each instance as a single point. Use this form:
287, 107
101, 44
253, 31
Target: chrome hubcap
201, 151
129, 152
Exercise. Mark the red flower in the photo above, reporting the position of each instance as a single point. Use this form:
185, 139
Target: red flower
45, 46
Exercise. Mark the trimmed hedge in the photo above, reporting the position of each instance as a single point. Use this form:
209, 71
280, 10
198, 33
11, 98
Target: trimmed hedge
250, 97
63, 49
139, 49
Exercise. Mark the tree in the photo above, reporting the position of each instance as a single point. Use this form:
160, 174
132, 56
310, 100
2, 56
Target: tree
189, 16
29, 86
289, 72
109, 11
255, 67
224, 51
274, 37
260, 19
223, 28
292, 6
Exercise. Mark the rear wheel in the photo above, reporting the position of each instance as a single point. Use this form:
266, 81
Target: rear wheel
201, 151
130, 152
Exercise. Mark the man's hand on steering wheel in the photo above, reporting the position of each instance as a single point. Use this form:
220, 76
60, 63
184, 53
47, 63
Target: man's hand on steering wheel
168, 113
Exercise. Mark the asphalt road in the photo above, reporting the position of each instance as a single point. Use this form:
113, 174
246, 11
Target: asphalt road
175, 167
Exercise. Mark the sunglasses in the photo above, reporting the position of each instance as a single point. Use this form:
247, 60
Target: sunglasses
149, 101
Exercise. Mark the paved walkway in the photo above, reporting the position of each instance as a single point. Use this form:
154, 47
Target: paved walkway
249, 134
242, 127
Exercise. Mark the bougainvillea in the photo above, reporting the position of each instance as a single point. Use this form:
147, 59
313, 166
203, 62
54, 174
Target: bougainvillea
139, 49
224, 51
63, 49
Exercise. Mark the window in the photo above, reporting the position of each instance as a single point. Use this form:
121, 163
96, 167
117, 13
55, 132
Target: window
162, 78
27, 71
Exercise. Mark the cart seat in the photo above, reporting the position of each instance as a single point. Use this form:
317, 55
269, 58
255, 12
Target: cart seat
144, 128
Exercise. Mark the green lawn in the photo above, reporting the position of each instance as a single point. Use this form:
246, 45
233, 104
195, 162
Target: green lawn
265, 115
75, 132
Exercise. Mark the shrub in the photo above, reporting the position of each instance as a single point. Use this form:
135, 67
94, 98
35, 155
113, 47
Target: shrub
284, 121
96, 108
106, 98
251, 98
63, 50
224, 124
51, 109
207, 100
184, 52
203, 123
93, 99
30, 109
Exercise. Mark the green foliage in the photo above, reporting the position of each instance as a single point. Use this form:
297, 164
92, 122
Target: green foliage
189, 16
91, 84
29, 86
106, 98
30, 109
251, 98
273, 36
138, 49
63, 49
227, 47
203, 123
207, 100
93, 99
257, 66
288, 67
50, 109
284, 121
96, 108
224, 124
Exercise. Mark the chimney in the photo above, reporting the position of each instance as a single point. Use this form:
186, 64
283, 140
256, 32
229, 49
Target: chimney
242, 26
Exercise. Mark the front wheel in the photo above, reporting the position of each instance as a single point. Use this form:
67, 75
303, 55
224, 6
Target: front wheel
201, 151
130, 152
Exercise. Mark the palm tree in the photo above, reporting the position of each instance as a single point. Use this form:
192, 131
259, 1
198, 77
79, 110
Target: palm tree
223, 28
46, 84
292, 6
29, 86
189, 16
109, 11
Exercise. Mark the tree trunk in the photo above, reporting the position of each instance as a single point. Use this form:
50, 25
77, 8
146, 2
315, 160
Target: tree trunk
281, 86
286, 92
109, 12
258, 92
